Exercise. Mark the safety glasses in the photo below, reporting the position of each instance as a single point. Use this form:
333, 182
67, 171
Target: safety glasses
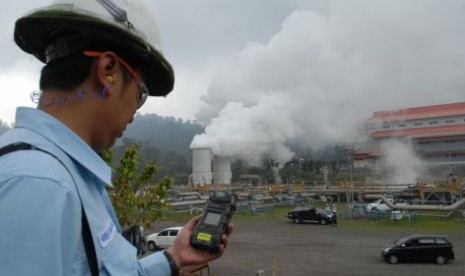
143, 90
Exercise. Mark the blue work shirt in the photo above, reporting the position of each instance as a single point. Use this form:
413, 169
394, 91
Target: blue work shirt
40, 206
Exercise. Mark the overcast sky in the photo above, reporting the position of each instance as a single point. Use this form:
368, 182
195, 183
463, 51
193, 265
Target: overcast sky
263, 72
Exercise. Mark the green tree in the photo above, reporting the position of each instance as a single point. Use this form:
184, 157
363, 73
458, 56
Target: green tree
136, 200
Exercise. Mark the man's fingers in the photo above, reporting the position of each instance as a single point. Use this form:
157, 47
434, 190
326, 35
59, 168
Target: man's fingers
229, 230
191, 223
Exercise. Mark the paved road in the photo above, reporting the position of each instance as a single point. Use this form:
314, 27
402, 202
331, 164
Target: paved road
306, 249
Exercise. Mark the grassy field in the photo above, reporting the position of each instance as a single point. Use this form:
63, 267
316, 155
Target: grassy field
419, 221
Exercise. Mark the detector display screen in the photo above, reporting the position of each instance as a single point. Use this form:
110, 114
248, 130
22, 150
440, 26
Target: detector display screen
212, 218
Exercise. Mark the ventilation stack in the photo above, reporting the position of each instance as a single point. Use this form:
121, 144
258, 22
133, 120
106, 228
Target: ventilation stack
221, 170
201, 166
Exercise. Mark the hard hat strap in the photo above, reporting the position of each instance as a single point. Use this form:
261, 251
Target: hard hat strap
117, 12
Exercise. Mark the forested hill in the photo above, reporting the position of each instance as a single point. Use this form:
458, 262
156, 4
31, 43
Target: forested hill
164, 140
165, 133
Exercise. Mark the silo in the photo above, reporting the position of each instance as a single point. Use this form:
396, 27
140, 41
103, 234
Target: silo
221, 170
201, 166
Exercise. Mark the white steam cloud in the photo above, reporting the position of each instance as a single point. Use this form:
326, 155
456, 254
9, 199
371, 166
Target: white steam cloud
322, 75
400, 165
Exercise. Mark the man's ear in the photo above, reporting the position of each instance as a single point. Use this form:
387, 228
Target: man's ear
107, 69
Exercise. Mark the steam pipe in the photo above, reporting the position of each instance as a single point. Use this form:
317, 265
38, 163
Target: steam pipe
417, 207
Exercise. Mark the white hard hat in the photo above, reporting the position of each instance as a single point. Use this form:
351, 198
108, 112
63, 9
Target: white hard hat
128, 24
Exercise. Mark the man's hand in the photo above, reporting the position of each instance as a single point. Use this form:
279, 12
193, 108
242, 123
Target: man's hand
184, 254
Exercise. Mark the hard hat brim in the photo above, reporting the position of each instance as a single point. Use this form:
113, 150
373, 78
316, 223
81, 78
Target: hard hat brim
33, 32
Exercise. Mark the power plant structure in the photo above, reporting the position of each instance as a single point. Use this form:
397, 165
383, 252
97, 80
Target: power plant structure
211, 172
436, 132
209, 169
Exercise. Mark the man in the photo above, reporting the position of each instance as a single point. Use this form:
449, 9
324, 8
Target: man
327, 208
334, 211
102, 61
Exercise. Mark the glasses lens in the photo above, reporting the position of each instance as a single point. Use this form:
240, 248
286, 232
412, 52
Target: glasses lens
143, 93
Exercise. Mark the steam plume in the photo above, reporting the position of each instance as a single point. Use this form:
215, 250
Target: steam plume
323, 74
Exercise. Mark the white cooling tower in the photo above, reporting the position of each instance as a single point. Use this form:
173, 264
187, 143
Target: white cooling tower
221, 170
201, 166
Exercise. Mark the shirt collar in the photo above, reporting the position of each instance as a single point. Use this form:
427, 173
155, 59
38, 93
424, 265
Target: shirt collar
65, 139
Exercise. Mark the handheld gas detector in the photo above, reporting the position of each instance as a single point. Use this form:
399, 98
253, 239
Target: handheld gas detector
214, 222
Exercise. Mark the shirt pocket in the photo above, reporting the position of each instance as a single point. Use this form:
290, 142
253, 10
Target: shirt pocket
119, 257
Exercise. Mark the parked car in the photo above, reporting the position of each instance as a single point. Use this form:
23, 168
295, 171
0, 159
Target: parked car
162, 239
310, 214
436, 248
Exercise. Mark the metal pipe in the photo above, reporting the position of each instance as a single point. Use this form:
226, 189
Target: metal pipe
417, 207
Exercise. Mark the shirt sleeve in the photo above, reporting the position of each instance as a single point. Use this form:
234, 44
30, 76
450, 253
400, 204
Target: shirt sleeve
155, 264
40, 225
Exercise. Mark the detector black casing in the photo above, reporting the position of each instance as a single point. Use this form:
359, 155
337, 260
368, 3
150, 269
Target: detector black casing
214, 221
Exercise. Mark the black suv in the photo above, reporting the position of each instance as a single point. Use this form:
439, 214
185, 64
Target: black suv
309, 214
435, 248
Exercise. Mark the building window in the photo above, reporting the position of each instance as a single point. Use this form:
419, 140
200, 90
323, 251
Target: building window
386, 126
449, 121
418, 124
433, 123
401, 125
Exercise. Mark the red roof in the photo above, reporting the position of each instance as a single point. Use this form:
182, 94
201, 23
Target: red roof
440, 110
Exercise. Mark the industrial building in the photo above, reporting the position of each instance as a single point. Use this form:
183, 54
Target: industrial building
436, 132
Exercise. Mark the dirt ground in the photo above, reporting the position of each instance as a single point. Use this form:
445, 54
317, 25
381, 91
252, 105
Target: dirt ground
279, 247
